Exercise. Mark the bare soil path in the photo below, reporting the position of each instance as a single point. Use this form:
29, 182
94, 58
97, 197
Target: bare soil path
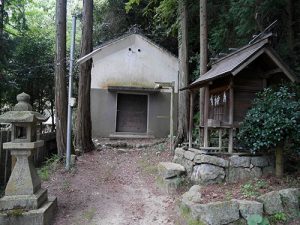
114, 186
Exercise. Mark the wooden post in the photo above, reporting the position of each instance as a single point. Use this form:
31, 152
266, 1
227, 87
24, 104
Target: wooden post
279, 161
191, 119
206, 102
220, 138
171, 119
231, 111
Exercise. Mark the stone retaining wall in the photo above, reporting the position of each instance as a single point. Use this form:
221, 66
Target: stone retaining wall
207, 169
237, 211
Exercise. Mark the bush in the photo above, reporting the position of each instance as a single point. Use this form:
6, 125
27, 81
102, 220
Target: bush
273, 120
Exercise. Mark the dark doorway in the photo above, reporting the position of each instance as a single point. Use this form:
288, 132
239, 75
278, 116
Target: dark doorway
132, 113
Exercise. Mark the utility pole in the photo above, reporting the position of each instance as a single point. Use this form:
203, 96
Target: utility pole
71, 100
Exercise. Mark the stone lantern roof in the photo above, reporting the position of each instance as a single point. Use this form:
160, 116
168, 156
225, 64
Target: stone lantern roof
22, 112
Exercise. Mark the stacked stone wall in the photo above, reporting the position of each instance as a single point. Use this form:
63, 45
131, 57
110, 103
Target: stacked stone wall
207, 169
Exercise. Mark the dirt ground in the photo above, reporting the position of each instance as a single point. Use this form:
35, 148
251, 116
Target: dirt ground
114, 185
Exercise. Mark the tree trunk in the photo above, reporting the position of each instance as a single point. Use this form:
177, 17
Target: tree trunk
182, 131
290, 33
83, 123
60, 77
279, 161
203, 54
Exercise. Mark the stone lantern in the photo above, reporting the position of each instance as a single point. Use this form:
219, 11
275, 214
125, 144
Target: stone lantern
23, 191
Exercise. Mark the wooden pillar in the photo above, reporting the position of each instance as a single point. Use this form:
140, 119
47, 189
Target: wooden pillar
220, 138
231, 111
191, 119
205, 117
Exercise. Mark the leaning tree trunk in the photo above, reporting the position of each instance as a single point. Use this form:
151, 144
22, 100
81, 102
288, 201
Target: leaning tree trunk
83, 123
203, 53
60, 77
279, 161
182, 130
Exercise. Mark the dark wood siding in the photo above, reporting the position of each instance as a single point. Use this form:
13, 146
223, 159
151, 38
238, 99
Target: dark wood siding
132, 113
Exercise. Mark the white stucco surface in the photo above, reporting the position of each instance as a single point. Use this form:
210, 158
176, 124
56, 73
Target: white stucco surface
141, 66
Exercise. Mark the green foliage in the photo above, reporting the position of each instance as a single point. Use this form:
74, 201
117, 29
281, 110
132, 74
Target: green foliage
251, 189
273, 119
49, 166
279, 217
257, 220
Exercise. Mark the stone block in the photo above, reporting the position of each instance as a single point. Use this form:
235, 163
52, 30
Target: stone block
192, 196
24, 201
236, 174
187, 164
189, 155
208, 174
216, 213
41, 216
248, 208
170, 169
207, 159
179, 152
260, 161
268, 170
171, 185
272, 202
237, 161
290, 201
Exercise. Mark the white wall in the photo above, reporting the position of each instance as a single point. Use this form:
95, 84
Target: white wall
115, 65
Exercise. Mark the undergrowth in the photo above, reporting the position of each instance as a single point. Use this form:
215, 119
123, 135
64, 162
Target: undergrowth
49, 166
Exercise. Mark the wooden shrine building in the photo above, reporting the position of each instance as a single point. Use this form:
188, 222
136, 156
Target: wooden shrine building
230, 87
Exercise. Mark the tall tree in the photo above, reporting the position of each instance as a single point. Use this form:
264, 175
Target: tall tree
60, 77
203, 53
183, 72
83, 123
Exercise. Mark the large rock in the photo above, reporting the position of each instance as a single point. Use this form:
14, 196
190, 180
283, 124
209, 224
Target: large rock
290, 201
192, 196
189, 155
216, 213
169, 169
236, 174
237, 161
260, 161
207, 159
248, 208
170, 185
272, 202
208, 174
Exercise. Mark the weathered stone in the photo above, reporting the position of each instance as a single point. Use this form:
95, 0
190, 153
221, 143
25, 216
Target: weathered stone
189, 155
192, 196
207, 174
272, 202
255, 172
236, 174
216, 213
179, 152
171, 185
290, 201
248, 208
237, 161
260, 161
41, 216
268, 170
188, 165
207, 159
170, 169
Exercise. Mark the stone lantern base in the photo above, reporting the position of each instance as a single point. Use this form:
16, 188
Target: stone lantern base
42, 216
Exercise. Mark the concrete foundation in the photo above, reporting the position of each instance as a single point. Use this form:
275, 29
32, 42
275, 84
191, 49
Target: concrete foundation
41, 216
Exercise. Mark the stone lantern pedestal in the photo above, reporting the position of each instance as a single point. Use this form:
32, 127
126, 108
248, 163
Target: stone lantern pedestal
25, 202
